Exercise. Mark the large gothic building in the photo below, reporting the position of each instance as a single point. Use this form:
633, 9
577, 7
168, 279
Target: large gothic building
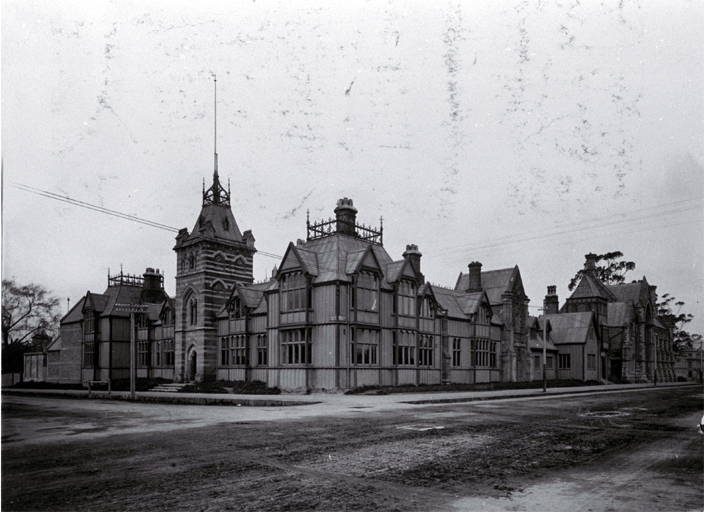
340, 312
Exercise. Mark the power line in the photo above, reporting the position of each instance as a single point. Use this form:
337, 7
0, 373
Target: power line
536, 236
679, 207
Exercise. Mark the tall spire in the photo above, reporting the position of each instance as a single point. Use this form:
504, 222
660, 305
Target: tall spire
216, 194
215, 118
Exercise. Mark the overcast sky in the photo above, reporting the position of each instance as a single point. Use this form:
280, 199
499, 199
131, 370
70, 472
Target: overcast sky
507, 132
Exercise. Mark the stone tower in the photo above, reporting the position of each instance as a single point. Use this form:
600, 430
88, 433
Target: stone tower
210, 260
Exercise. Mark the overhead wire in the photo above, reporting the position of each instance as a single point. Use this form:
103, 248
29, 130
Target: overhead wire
493, 243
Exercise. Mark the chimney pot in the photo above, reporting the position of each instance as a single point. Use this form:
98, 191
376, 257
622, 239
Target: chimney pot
475, 277
551, 305
346, 216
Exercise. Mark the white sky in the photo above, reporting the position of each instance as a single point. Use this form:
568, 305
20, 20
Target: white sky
474, 128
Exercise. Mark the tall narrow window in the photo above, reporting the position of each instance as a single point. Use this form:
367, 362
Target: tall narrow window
426, 308
406, 348
367, 292
88, 322
168, 353
293, 292
238, 349
193, 309
425, 350
262, 350
88, 352
143, 353
407, 299
224, 351
456, 352
236, 308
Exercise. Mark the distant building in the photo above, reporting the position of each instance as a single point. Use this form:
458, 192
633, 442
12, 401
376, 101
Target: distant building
628, 340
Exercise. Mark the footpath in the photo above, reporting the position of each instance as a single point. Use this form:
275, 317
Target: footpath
337, 399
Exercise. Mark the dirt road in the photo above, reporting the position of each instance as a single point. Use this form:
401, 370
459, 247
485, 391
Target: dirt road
629, 451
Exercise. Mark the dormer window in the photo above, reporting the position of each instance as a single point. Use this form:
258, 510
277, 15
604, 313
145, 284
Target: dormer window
225, 224
483, 316
236, 310
141, 321
293, 292
427, 308
365, 296
88, 321
406, 298
168, 317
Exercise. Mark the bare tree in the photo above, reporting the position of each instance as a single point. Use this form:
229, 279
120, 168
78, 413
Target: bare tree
27, 310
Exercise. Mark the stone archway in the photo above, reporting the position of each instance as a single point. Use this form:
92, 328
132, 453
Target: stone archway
192, 364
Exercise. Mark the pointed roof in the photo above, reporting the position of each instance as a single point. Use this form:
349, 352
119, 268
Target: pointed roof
590, 287
619, 314
494, 282
216, 221
537, 343
628, 292
335, 254
569, 328
75, 314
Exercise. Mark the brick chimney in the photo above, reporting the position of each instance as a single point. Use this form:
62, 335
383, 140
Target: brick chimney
153, 286
551, 305
590, 263
413, 254
475, 277
346, 215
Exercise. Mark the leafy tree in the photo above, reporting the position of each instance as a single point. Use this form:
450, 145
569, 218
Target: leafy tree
611, 271
27, 310
676, 320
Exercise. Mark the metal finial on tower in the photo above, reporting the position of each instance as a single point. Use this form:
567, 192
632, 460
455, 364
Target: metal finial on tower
215, 108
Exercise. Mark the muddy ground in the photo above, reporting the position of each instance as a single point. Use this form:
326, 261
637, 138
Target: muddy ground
473, 456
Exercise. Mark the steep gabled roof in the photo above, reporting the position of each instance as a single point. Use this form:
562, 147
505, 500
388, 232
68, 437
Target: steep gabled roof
590, 287
619, 314
54, 345
332, 256
570, 327
537, 343
627, 292
494, 282
75, 314
121, 294
470, 302
448, 300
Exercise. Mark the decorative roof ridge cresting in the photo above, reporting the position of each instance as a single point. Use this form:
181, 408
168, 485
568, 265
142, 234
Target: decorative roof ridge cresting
324, 228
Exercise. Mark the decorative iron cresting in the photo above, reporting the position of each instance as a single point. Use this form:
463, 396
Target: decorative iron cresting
329, 227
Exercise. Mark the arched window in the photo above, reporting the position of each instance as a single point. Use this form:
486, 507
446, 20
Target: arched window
192, 261
193, 311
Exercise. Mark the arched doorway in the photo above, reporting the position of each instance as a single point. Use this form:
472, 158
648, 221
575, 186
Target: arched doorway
192, 365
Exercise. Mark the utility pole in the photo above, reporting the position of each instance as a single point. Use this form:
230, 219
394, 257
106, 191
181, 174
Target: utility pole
132, 309
545, 349
545, 352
